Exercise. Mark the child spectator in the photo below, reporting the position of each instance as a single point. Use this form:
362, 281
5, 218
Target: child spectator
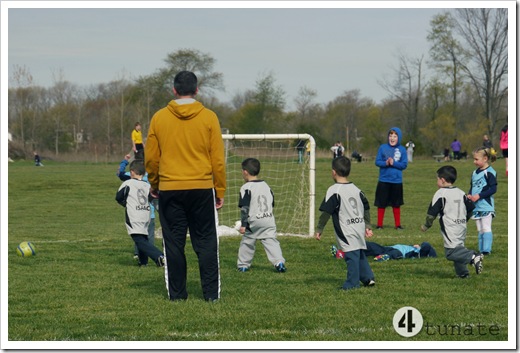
350, 213
454, 210
483, 187
486, 142
410, 146
392, 160
37, 160
123, 175
137, 142
133, 194
446, 154
257, 220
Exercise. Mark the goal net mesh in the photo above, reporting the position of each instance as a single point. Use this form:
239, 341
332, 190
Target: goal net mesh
284, 167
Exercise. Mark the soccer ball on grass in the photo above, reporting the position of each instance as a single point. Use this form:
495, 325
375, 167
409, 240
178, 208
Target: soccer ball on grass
26, 249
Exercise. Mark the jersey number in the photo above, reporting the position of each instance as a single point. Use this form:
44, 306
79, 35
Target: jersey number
262, 203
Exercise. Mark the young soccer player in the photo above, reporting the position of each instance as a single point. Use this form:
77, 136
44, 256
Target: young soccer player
392, 160
483, 187
257, 220
133, 194
454, 210
123, 175
350, 213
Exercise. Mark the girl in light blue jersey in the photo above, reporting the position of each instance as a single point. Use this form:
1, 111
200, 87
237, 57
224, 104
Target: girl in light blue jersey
483, 187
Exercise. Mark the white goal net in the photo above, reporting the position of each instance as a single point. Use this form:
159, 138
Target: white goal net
287, 165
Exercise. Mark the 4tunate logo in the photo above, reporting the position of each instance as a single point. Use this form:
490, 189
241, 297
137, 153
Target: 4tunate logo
408, 322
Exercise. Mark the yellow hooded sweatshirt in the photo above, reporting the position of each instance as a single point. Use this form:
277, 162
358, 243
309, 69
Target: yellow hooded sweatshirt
184, 149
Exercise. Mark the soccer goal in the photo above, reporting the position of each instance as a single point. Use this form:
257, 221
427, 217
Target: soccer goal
287, 165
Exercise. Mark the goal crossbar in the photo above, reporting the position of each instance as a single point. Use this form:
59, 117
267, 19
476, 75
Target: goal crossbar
312, 164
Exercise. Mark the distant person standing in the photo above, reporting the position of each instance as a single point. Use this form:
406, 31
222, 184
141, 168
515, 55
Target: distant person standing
300, 147
337, 150
410, 146
186, 169
37, 160
456, 146
137, 142
486, 142
503, 144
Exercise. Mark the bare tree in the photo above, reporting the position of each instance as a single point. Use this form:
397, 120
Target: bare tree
485, 32
22, 81
447, 53
305, 102
406, 88
195, 61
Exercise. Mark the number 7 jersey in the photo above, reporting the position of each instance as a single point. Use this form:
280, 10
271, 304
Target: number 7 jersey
454, 209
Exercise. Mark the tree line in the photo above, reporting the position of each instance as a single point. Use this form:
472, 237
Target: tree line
465, 98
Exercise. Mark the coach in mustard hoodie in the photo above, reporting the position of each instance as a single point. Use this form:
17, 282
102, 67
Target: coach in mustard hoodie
184, 157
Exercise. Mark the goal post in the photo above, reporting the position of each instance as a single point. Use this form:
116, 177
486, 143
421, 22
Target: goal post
287, 164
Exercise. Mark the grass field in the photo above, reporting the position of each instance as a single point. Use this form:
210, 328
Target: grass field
83, 284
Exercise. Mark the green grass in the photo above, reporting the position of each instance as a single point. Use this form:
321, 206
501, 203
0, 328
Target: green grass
83, 284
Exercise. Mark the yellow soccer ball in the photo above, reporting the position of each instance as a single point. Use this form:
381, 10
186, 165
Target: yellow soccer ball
26, 249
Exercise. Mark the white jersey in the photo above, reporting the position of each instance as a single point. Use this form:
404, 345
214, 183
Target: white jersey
256, 203
454, 209
133, 194
347, 204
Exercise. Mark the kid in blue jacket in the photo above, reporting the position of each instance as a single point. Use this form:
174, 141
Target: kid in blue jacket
392, 160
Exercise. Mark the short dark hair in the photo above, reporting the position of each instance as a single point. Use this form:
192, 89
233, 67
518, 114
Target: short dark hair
342, 166
185, 83
448, 173
137, 167
251, 165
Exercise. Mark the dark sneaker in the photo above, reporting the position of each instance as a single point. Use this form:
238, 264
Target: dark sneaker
370, 283
280, 267
399, 228
379, 227
161, 261
243, 269
477, 262
464, 276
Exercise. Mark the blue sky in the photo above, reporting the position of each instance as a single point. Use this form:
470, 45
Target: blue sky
331, 50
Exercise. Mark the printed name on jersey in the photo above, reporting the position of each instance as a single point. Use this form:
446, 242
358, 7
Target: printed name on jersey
355, 220
264, 215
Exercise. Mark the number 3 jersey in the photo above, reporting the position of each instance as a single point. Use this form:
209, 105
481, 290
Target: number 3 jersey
350, 210
133, 194
256, 204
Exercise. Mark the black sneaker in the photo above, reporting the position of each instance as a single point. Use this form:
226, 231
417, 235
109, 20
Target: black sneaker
477, 262
379, 227
369, 283
464, 276
399, 228
161, 261
280, 267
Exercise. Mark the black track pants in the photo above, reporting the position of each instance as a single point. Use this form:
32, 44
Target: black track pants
180, 210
